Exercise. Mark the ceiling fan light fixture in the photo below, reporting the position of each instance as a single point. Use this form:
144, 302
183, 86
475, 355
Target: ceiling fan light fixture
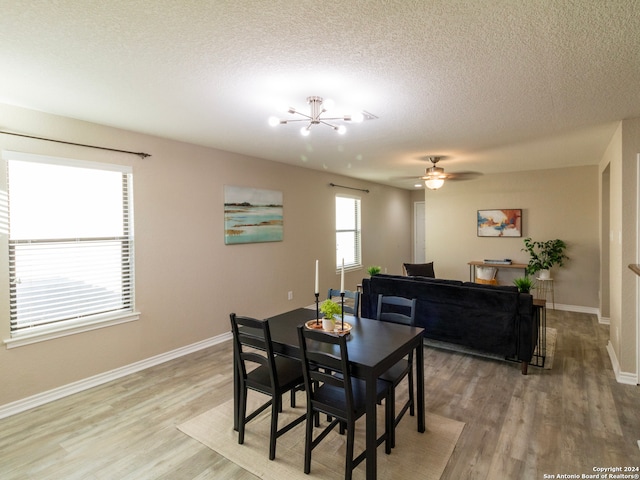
434, 183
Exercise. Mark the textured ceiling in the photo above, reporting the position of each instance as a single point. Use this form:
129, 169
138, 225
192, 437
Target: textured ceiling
493, 85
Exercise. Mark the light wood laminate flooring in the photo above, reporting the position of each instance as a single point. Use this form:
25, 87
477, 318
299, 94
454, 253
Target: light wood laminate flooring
567, 420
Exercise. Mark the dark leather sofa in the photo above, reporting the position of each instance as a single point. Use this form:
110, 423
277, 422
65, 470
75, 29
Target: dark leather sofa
494, 319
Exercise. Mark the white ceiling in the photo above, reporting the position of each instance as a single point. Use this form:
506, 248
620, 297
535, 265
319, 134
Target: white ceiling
494, 85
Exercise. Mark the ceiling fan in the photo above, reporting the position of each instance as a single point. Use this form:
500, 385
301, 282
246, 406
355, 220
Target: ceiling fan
434, 176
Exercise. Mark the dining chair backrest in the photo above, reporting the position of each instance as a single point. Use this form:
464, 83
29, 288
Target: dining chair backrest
396, 309
252, 344
325, 362
352, 303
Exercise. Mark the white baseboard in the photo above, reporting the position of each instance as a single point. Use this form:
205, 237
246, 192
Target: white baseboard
87, 383
622, 377
604, 320
574, 308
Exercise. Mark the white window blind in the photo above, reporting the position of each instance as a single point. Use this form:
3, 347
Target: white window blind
70, 242
348, 231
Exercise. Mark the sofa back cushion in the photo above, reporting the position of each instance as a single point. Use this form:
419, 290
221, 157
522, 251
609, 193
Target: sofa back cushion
502, 288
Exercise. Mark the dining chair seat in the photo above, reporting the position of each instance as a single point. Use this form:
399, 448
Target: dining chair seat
289, 376
273, 376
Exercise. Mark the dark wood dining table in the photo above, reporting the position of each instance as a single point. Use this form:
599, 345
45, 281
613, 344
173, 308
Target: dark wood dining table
373, 348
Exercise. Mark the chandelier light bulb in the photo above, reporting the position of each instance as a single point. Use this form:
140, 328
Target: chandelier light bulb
357, 117
304, 131
341, 129
274, 121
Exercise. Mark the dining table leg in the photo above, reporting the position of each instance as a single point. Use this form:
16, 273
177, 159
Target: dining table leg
420, 385
371, 420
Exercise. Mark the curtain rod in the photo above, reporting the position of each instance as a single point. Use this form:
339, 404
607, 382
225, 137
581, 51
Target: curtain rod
350, 188
140, 154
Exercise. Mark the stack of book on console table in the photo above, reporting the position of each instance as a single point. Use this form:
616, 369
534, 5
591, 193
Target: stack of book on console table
504, 261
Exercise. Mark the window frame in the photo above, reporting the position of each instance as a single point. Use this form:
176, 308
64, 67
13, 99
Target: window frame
83, 322
357, 232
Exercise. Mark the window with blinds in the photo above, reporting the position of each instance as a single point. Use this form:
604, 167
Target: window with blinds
70, 242
348, 231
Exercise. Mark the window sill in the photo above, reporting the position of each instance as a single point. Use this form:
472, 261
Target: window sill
50, 334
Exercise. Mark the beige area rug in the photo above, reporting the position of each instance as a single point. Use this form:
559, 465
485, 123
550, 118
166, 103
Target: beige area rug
416, 454
551, 340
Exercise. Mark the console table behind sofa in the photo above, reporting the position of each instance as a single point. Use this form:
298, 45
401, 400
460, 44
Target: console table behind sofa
495, 319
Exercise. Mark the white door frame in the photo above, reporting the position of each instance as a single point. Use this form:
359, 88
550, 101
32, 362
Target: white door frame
419, 232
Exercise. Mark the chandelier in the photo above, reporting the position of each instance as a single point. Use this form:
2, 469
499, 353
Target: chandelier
318, 107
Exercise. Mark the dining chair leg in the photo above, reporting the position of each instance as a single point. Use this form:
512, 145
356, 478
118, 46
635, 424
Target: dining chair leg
242, 414
411, 396
389, 424
276, 406
392, 411
348, 469
308, 440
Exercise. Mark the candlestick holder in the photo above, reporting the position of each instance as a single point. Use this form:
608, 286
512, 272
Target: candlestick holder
342, 310
317, 308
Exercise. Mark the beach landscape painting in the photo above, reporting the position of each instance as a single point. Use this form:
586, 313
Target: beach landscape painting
252, 215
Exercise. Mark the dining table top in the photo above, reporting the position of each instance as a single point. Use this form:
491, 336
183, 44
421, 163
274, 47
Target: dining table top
370, 343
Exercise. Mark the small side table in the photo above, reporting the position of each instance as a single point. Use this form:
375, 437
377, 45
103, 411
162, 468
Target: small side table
544, 286
540, 353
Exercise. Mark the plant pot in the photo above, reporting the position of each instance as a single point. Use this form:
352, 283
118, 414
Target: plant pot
328, 324
544, 274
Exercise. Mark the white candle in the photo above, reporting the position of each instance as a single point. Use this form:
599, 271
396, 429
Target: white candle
317, 290
342, 277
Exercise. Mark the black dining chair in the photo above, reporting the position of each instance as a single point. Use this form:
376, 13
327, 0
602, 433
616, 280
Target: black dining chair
274, 375
332, 390
352, 302
398, 310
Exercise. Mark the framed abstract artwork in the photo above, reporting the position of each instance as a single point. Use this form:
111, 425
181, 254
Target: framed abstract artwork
500, 223
252, 215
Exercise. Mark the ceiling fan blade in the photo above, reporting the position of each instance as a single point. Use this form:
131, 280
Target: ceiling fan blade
462, 176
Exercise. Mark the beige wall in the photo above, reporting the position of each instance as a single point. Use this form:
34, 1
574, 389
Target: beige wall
187, 280
558, 203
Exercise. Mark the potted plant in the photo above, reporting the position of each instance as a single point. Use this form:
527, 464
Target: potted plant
374, 270
544, 255
329, 309
524, 284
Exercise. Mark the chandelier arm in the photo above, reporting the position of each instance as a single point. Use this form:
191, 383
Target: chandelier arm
335, 127
298, 120
303, 115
